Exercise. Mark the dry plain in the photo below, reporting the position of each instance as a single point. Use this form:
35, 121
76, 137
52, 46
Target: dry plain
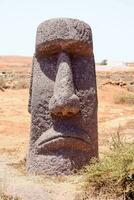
15, 125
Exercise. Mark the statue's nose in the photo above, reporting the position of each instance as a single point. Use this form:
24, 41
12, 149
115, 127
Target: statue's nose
64, 101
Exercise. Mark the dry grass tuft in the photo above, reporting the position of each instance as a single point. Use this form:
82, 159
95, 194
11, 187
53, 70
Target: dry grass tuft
8, 197
3, 84
124, 98
11, 80
20, 84
20, 166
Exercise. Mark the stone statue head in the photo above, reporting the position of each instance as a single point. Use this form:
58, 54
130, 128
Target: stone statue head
63, 98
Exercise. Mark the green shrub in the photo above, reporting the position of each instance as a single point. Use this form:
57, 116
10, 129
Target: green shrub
114, 173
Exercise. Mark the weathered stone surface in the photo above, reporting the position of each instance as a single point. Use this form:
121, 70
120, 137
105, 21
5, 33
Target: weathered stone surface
63, 99
70, 35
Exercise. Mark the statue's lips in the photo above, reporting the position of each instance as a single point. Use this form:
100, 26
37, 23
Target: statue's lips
69, 139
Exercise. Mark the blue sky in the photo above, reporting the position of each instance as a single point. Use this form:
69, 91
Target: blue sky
112, 23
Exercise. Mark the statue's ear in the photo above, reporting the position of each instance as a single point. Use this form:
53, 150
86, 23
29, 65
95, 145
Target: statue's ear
30, 87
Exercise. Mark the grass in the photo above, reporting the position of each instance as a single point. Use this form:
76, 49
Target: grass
124, 98
113, 175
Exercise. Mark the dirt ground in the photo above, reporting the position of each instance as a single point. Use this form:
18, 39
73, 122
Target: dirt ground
14, 137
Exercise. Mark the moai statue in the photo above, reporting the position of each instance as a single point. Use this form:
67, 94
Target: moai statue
63, 99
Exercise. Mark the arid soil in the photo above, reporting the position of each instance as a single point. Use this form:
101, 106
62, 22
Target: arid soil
14, 137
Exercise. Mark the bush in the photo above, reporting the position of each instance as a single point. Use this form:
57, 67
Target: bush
114, 173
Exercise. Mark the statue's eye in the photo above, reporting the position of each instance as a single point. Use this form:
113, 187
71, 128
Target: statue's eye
48, 66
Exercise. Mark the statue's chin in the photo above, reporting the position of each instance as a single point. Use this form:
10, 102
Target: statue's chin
59, 162
60, 151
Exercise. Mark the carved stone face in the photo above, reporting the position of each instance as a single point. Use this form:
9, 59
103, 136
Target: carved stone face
63, 99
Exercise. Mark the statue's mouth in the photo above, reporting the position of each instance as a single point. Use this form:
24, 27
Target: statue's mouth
52, 140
